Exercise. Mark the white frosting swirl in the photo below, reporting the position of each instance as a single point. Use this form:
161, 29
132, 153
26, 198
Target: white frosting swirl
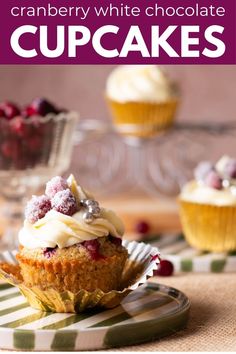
200, 193
56, 229
139, 83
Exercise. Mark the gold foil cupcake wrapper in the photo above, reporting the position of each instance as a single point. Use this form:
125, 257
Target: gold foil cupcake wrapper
139, 267
209, 227
141, 119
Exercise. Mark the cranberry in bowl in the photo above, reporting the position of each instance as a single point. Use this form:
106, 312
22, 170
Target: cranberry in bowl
35, 144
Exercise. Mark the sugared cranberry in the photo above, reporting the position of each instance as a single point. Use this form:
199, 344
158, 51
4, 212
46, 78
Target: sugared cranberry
10, 109
37, 208
116, 240
41, 106
49, 252
230, 169
165, 268
55, 185
10, 149
19, 127
203, 169
142, 227
93, 248
213, 180
64, 202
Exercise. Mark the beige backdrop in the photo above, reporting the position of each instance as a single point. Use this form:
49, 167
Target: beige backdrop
208, 91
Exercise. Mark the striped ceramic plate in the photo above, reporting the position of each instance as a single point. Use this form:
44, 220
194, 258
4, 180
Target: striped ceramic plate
188, 259
150, 312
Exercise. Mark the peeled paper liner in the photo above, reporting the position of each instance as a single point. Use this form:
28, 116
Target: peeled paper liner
142, 261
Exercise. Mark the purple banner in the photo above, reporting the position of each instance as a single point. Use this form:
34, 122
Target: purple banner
118, 32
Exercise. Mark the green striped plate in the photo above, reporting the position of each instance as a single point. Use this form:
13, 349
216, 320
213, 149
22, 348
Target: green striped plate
150, 312
188, 259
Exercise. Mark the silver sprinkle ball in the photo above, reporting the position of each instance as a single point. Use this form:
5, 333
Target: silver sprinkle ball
88, 217
91, 202
95, 211
83, 202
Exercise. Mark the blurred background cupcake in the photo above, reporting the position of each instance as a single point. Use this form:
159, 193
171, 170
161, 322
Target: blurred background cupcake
142, 99
208, 206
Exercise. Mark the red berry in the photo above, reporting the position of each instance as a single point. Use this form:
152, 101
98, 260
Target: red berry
64, 202
49, 252
165, 268
41, 107
142, 227
19, 127
55, 185
10, 109
37, 208
10, 149
213, 180
28, 112
93, 248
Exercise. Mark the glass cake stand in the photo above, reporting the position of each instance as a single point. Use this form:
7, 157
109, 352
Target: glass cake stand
108, 163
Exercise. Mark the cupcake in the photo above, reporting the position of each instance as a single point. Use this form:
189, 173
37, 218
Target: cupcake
208, 206
68, 243
142, 100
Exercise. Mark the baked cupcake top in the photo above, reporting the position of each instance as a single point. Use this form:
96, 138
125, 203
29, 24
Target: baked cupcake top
214, 183
66, 215
139, 83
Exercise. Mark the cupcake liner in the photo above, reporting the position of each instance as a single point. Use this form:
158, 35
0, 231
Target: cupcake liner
141, 119
139, 267
209, 227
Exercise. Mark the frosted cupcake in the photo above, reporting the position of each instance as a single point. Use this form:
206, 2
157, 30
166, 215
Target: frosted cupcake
142, 99
69, 243
208, 206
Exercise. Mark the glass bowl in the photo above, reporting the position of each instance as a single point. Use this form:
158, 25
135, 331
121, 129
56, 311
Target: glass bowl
32, 151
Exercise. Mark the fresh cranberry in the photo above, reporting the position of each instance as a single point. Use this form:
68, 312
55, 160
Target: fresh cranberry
10, 149
64, 202
37, 208
92, 247
116, 240
142, 227
19, 127
213, 180
49, 252
230, 169
28, 111
165, 268
10, 109
41, 107
55, 185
